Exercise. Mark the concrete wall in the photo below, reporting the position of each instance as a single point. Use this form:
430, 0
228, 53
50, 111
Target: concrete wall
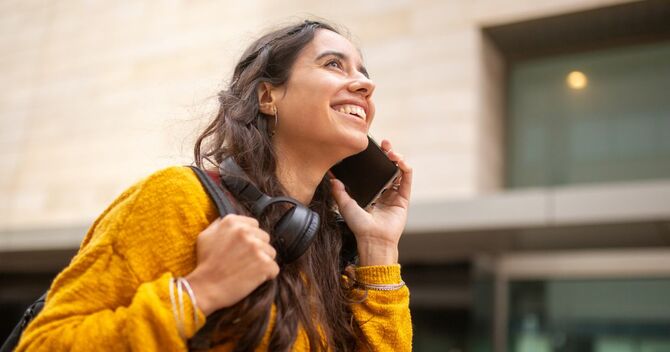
99, 94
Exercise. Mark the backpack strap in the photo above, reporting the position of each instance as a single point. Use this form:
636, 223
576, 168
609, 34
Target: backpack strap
13, 339
215, 192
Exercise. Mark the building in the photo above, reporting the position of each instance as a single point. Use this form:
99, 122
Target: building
539, 132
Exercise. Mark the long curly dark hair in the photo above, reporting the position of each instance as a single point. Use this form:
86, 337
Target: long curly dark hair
309, 292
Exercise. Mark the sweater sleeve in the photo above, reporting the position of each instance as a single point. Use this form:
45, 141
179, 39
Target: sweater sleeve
114, 295
383, 316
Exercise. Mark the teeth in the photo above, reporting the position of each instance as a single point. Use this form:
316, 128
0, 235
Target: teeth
352, 110
361, 112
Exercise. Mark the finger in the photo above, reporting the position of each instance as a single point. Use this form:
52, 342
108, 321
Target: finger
273, 270
255, 243
215, 224
390, 153
231, 218
395, 157
386, 145
269, 250
405, 187
387, 195
340, 194
213, 228
262, 235
404, 183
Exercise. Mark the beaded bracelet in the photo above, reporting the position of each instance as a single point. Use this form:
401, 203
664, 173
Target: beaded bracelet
381, 287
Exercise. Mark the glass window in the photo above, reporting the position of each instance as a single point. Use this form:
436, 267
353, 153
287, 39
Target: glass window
626, 315
598, 116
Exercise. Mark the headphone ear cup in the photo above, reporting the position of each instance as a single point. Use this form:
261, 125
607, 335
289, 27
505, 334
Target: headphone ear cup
295, 232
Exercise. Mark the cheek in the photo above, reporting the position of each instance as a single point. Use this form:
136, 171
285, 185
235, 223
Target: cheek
373, 113
308, 97
298, 98
303, 109
312, 97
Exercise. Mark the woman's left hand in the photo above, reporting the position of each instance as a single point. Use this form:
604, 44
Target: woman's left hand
379, 228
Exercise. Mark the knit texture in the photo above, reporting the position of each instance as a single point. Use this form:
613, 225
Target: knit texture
114, 294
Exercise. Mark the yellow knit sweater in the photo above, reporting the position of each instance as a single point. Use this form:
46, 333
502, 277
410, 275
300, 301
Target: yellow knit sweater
114, 295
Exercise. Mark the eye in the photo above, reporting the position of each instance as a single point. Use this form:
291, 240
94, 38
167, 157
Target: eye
335, 63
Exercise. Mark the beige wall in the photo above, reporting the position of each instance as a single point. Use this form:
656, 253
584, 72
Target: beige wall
97, 94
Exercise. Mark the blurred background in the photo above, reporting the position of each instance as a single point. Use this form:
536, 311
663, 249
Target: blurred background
539, 132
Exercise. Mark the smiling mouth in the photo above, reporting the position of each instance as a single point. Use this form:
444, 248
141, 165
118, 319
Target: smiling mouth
353, 110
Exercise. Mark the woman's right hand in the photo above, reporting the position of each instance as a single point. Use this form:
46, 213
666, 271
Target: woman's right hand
234, 258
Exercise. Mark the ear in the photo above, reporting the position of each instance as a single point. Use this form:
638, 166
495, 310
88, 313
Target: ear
266, 97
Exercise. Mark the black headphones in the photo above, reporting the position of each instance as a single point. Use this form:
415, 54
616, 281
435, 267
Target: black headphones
296, 229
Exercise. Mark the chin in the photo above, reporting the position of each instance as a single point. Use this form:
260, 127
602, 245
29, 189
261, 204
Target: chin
363, 142
356, 144
345, 144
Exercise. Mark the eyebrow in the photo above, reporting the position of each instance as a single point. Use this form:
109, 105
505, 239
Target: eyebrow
344, 57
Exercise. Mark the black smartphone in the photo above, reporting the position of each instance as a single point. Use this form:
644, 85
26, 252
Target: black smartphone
367, 174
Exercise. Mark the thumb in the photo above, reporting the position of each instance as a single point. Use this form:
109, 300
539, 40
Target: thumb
355, 216
340, 194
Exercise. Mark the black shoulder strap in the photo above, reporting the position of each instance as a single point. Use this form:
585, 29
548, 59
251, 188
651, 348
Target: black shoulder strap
13, 339
215, 193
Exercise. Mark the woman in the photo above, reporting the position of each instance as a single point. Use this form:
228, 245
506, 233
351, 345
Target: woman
287, 117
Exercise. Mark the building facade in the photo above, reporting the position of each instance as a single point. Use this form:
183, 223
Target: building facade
539, 133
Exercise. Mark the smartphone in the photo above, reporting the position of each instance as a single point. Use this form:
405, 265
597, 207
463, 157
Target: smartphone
367, 174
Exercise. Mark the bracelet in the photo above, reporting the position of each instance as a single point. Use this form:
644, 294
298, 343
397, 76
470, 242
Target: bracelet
191, 295
182, 316
381, 287
179, 314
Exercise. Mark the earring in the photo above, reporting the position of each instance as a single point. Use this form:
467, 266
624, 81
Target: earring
274, 111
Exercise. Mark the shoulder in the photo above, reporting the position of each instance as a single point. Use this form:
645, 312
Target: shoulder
172, 195
170, 186
159, 233
175, 188
173, 178
167, 206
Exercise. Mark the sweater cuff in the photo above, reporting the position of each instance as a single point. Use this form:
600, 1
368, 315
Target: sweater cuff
379, 274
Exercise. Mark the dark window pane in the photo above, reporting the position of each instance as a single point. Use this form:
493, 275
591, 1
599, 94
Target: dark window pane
609, 121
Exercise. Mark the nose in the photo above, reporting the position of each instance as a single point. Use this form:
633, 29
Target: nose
362, 85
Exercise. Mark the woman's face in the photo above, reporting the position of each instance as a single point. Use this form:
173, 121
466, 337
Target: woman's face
326, 106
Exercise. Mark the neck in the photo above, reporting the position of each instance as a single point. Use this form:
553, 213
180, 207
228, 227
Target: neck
300, 173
